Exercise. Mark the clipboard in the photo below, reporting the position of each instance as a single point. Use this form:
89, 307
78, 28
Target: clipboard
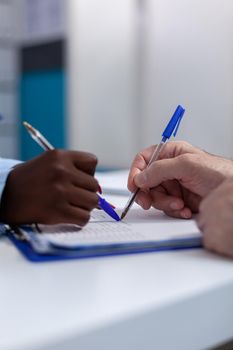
31, 255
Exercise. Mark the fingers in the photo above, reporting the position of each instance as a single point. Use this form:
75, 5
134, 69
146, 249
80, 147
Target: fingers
174, 149
140, 163
163, 201
159, 199
144, 200
73, 207
69, 205
177, 192
64, 175
77, 216
131, 185
192, 199
170, 150
68, 215
159, 172
85, 181
84, 161
81, 160
74, 187
78, 197
184, 213
170, 204
173, 188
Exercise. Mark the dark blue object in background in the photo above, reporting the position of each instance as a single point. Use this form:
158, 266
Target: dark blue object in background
42, 101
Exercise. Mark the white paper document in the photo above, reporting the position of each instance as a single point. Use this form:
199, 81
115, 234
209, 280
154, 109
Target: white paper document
139, 227
114, 182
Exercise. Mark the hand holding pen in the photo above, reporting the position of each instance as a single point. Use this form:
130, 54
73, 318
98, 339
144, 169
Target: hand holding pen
55, 187
102, 203
171, 128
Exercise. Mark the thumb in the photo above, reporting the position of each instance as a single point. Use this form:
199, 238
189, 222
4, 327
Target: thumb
160, 171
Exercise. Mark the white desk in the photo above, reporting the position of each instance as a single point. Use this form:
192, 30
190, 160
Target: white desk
170, 300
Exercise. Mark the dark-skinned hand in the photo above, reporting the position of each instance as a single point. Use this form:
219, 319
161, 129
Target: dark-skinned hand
56, 187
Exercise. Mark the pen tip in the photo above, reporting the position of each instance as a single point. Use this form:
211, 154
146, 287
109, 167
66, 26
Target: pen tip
123, 215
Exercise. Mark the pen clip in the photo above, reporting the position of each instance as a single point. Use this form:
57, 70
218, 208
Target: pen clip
177, 125
174, 123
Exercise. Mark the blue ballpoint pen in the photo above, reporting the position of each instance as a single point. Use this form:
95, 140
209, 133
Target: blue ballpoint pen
171, 128
41, 141
104, 205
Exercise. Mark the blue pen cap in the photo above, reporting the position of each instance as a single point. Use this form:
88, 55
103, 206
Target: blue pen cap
174, 123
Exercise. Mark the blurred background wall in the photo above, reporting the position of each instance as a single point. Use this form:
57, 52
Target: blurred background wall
8, 79
42, 88
106, 75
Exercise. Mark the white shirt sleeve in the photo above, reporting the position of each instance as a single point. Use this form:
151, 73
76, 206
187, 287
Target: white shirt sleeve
6, 166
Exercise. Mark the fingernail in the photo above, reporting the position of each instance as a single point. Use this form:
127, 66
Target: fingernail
185, 214
174, 206
141, 178
100, 190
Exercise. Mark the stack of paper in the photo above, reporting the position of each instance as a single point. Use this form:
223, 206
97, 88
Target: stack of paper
141, 231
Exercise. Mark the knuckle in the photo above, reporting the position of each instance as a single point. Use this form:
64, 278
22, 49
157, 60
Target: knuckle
56, 155
184, 143
94, 159
181, 144
58, 192
185, 158
59, 169
59, 172
137, 158
189, 160
91, 159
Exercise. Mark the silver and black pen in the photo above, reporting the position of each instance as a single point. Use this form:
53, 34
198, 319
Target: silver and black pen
41, 141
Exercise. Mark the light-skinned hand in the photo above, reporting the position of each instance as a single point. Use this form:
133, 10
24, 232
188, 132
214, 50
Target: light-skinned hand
179, 180
215, 219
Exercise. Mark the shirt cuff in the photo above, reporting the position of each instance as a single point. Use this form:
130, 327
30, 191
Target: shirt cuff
6, 165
